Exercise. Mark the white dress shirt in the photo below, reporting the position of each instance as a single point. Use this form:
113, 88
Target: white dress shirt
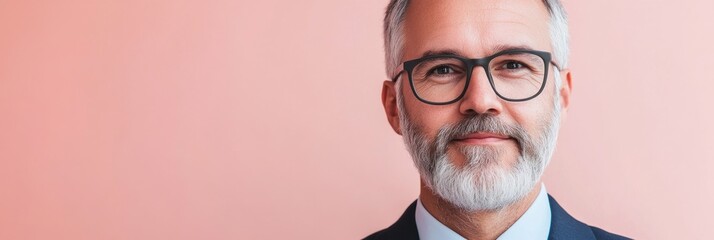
534, 224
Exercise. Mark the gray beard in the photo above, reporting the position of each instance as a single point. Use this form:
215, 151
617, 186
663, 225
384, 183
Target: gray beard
482, 183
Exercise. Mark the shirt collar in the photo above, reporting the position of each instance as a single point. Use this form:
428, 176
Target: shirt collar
533, 224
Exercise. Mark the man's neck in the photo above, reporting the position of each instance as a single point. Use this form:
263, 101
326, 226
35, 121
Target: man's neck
478, 224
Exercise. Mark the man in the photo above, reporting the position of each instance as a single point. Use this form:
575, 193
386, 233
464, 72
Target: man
478, 90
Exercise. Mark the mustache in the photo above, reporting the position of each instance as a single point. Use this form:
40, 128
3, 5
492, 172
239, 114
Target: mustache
482, 123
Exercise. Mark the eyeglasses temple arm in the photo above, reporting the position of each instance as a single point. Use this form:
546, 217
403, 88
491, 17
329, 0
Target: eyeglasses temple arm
394, 79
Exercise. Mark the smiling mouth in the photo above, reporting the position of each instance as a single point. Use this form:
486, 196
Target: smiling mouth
482, 138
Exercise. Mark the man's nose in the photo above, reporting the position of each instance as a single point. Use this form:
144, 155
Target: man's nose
480, 97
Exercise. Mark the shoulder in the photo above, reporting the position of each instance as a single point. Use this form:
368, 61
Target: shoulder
564, 226
382, 234
605, 235
404, 228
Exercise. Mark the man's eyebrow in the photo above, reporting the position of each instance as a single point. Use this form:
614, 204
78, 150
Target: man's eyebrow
449, 52
495, 49
506, 47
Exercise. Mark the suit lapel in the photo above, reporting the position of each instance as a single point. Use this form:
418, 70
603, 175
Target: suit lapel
563, 226
405, 228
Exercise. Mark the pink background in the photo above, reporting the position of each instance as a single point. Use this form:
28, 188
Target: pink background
176, 119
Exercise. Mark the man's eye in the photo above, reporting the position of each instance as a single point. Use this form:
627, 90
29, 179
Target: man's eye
513, 65
443, 70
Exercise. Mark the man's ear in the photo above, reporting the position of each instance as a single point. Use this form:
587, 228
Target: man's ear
389, 100
566, 89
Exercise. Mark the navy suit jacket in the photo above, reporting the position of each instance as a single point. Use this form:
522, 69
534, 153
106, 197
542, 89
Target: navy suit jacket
562, 227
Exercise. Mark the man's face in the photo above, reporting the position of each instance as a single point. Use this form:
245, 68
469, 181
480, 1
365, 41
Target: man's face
476, 29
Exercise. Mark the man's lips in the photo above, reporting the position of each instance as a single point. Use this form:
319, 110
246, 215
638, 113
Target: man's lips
482, 138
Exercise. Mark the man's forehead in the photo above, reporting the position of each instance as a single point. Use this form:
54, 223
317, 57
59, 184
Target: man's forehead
475, 27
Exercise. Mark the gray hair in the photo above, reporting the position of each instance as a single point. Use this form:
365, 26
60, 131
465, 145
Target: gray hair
394, 34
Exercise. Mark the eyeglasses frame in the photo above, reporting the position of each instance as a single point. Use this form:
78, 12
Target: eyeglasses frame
471, 63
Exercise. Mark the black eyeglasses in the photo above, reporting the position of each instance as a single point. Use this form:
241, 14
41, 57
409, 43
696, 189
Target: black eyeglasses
515, 75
